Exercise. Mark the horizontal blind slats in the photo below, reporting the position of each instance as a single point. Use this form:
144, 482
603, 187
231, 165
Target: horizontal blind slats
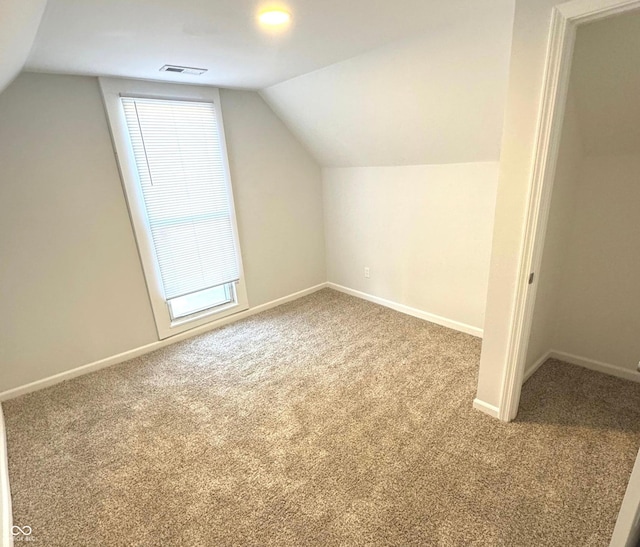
181, 169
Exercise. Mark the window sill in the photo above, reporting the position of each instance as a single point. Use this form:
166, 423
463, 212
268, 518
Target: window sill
203, 318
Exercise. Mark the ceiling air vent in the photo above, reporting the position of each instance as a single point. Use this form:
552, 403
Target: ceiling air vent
183, 70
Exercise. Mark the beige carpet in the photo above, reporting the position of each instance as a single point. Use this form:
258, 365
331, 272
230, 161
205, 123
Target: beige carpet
328, 421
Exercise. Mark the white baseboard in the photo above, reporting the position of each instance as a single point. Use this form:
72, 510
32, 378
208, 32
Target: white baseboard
136, 352
6, 517
491, 410
598, 366
443, 321
591, 364
529, 372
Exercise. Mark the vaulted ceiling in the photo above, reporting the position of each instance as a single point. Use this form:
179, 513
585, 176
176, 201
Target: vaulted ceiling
363, 82
435, 98
134, 38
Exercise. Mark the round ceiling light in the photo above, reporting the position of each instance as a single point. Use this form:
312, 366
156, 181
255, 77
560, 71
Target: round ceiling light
275, 18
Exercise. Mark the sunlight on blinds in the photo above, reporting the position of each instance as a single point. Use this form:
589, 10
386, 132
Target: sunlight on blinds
180, 164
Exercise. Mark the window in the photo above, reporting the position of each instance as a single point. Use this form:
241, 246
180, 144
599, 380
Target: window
172, 155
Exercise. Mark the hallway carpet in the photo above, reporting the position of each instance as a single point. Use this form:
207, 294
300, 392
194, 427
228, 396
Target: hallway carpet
326, 421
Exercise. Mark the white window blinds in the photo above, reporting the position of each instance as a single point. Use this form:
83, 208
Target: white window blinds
180, 164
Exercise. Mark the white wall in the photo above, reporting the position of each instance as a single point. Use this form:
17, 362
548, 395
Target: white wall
424, 231
19, 22
530, 34
434, 98
72, 289
607, 105
559, 229
599, 298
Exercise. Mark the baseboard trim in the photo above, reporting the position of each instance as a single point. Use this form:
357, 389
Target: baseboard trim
6, 517
491, 410
136, 352
598, 366
529, 372
432, 318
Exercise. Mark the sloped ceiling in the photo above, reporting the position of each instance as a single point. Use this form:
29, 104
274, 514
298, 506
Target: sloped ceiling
606, 84
364, 82
436, 98
19, 21
134, 38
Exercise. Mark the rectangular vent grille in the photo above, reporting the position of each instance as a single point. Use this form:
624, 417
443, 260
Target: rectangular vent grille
183, 70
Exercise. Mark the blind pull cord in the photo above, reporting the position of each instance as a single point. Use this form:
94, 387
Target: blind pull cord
144, 146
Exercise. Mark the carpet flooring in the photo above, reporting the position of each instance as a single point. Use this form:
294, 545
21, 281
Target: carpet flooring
326, 421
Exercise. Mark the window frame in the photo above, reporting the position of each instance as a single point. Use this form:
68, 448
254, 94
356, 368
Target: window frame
112, 91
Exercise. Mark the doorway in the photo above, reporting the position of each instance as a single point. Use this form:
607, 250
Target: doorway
587, 305
558, 97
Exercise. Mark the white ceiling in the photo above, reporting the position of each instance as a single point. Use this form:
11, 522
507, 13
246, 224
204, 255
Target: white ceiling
605, 81
134, 38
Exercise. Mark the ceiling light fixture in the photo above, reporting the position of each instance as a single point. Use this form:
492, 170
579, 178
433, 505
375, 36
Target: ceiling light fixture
274, 18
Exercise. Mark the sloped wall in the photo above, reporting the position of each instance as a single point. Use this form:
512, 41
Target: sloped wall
19, 22
434, 98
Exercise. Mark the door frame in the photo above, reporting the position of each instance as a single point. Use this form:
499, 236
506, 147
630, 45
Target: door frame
565, 19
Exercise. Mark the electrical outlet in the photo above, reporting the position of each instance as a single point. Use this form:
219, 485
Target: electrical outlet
367, 274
